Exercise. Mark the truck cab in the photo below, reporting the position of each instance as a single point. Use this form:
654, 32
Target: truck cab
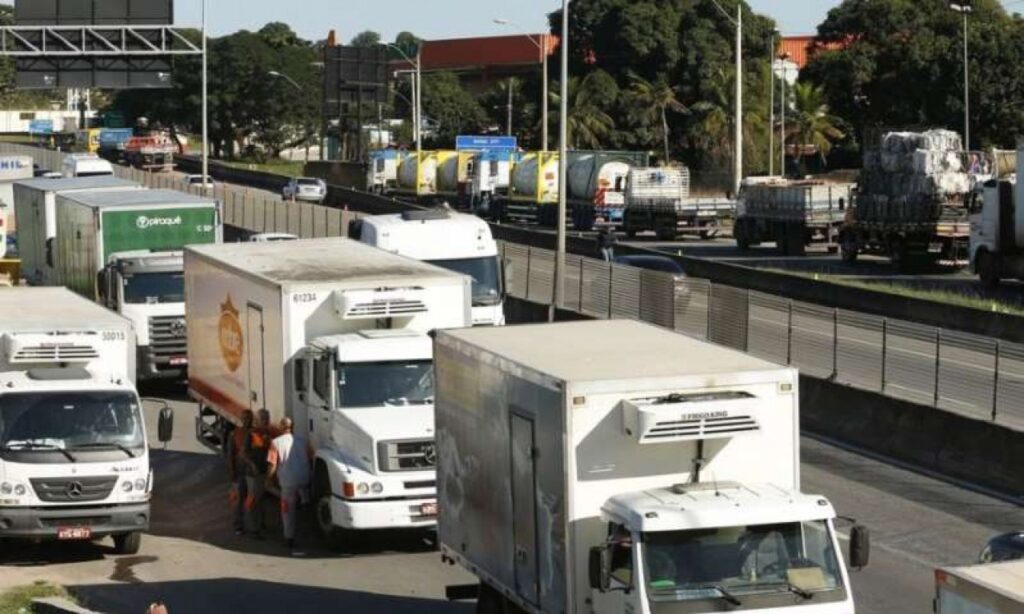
369, 399
382, 170
997, 229
704, 547
455, 241
86, 165
148, 288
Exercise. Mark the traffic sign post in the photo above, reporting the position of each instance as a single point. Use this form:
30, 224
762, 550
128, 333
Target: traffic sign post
40, 126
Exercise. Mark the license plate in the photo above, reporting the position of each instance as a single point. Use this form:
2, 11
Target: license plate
428, 509
935, 248
74, 533
179, 360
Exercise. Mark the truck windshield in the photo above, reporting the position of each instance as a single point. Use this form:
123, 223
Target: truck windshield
41, 421
484, 273
379, 384
149, 288
745, 564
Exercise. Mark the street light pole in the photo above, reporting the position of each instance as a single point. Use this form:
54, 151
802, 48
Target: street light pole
206, 127
782, 129
771, 110
419, 104
542, 46
417, 100
509, 126
965, 7
738, 171
563, 139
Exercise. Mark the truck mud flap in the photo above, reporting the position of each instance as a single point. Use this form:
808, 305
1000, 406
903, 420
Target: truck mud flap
462, 592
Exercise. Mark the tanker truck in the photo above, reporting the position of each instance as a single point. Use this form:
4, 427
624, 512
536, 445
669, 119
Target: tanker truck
532, 192
487, 174
417, 174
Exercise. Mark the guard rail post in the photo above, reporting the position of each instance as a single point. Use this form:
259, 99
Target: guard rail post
582, 262
938, 362
529, 261
835, 345
995, 384
611, 287
885, 350
789, 332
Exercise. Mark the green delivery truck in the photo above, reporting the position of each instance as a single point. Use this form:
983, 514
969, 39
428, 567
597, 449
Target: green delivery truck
124, 250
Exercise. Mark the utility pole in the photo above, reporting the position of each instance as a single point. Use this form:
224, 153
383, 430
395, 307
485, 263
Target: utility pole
738, 171
206, 121
967, 87
544, 93
563, 139
782, 130
771, 111
510, 84
419, 103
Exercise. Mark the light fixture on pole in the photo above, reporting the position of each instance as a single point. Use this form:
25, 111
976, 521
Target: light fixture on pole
417, 100
563, 139
543, 47
965, 7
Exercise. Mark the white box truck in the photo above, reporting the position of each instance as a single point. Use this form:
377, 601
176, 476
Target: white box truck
12, 169
454, 241
994, 588
612, 466
123, 249
86, 165
74, 459
35, 202
334, 334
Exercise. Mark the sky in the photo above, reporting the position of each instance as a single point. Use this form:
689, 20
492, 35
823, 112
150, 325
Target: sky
312, 19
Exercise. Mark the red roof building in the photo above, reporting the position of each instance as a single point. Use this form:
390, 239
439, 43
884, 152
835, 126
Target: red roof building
800, 49
485, 59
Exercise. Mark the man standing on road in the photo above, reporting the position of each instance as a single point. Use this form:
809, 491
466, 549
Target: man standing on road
237, 470
289, 460
255, 453
606, 241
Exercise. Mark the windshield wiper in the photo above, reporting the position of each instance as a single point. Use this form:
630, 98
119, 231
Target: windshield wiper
100, 444
29, 445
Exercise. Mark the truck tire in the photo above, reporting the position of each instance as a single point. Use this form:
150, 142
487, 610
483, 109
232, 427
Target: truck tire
128, 543
899, 257
781, 240
739, 232
332, 535
988, 270
491, 601
848, 248
796, 240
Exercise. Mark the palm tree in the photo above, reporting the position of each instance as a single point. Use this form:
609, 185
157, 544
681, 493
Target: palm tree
588, 124
651, 102
710, 132
813, 123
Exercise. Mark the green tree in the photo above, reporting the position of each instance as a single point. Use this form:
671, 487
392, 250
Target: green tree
366, 38
451, 107
813, 123
652, 102
588, 125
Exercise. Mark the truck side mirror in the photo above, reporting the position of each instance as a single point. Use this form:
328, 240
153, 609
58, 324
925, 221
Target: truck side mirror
596, 571
165, 425
860, 546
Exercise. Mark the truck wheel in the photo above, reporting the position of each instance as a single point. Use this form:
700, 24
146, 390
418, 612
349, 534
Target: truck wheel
848, 248
898, 257
491, 601
796, 241
988, 270
331, 534
128, 543
781, 241
739, 232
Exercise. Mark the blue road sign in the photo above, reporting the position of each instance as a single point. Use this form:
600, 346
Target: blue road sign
486, 142
40, 126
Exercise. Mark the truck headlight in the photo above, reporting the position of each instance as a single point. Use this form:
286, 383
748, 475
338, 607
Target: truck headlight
126, 486
140, 484
363, 488
377, 488
6, 488
19, 490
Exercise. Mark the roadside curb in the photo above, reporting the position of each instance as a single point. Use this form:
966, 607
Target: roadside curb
58, 605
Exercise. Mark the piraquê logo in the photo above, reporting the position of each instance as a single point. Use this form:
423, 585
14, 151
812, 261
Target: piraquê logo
143, 222
229, 331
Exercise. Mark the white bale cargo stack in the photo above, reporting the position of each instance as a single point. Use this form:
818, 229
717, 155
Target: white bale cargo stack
334, 334
570, 483
35, 203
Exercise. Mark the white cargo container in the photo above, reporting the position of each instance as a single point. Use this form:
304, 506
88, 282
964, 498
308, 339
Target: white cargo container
34, 203
659, 476
12, 169
333, 333
74, 462
994, 588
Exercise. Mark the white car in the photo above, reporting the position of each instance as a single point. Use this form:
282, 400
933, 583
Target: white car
309, 189
199, 182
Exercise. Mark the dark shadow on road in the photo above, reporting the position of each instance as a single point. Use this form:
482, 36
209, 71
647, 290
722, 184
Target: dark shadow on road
22, 553
219, 595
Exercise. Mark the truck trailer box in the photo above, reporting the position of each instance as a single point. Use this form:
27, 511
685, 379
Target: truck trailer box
252, 308
993, 588
54, 325
94, 226
545, 432
35, 203
12, 169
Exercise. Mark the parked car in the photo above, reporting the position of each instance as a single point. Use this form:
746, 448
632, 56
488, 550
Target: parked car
199, 182
1005, 547
309, 189
270, 237
651, 262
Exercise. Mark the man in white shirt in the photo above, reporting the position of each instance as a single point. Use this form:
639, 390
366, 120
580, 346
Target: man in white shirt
289, 459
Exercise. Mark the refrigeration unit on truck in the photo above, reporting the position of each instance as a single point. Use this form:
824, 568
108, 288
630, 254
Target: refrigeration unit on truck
86, 165
382, 171
334, 334
994, 588
792, 214
35, 202
74, 460
997, 228
455, 241
123, 249
665, 480
12, 169
658, 200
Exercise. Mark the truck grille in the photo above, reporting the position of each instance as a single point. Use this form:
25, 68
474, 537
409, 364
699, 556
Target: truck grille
73, 490
78, 521
407, 455
167, 336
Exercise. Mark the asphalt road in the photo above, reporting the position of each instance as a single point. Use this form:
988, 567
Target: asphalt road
194, 563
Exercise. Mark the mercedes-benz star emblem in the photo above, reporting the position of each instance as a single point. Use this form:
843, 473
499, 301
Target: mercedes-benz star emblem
178, 327
74, 490
430, 454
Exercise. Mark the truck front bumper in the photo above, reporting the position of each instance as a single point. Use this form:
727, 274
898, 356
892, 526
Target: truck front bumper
151, 366
45, 522
394, 514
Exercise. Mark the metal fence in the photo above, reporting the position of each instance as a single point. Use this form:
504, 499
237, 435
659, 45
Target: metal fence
980, 377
